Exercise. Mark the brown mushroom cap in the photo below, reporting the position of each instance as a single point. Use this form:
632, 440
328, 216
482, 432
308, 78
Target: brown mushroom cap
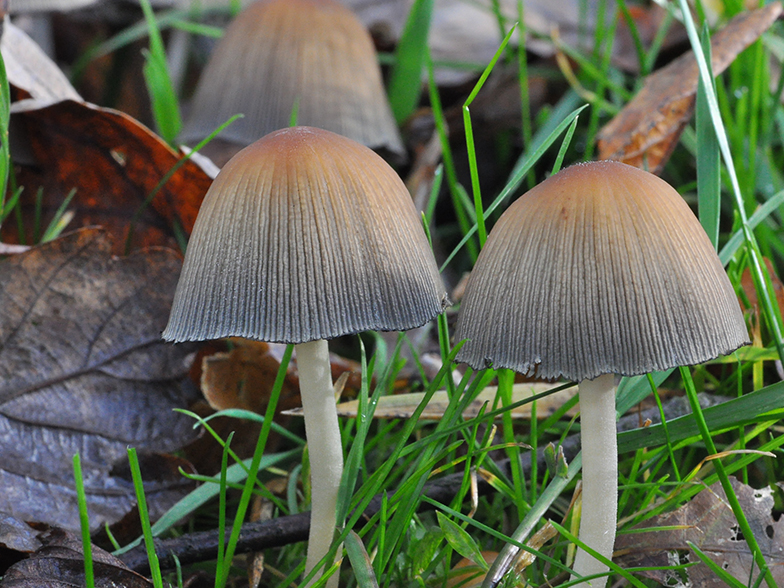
280, 52
305, 235
602, 268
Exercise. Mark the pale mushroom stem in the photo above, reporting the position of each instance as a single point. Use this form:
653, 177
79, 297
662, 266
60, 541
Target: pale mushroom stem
600, 476
324, 448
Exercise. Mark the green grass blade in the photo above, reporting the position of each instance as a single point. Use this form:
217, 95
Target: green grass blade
405, 81
360, 561
564, 146
471, 148
165, 106
455, 189
84, 521
144, 516
459, 539
760, 405
716, 568
708, 157
737, 239
5, 118
222, 507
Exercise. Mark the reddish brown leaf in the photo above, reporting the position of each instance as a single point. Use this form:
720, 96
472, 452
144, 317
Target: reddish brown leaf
114, 163
649, 127
83, 368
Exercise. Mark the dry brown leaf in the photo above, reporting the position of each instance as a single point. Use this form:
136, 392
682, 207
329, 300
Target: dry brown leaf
30, 69
83, 369
402, 406
60, 564
17, 535
114, 163
648, 128
708, 522
243, 377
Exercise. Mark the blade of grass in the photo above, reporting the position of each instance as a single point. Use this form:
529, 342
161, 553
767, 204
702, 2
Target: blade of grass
455, 189
405, 80
523, 81
763, 212
754, 407
469, 134
84, 522
716, 568
708, 156
5, 118
165, 106
360, 562
222, 508
141, 505
564, 146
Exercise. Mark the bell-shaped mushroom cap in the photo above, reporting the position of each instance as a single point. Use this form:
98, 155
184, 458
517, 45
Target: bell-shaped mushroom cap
305, 235
278, 53
602, 268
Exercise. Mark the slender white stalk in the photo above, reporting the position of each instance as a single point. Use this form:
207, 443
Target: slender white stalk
324, 448
600, 476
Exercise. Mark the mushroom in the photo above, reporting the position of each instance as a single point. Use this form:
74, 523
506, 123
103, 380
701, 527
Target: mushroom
314, 56
601, 269
304, 236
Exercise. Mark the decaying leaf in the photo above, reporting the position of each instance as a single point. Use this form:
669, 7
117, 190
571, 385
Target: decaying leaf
243, 377
126, 163
649, 127
708, 522
30, 69
60, 564
17, 535
402, 406
83, 368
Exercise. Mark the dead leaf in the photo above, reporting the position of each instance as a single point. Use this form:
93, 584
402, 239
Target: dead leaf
83, 368
30, 69
649, 127
747, 284
402, 406
17, 535
60, 564
708, 522
467, 574
114, 163
243, 377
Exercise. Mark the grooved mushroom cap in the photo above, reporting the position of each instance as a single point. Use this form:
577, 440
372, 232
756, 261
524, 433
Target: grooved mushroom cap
602, 268
305, 235
280, 52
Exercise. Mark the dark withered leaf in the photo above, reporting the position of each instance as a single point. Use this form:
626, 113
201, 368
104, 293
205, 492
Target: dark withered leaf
17, 535
83, 369
60, 564
708, 522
